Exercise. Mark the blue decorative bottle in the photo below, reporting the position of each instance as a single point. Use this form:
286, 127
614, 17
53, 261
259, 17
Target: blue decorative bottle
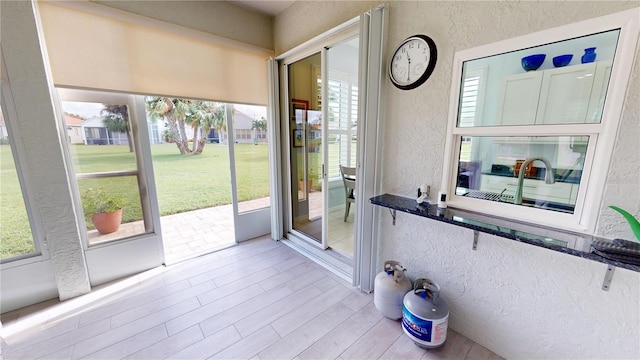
589, 55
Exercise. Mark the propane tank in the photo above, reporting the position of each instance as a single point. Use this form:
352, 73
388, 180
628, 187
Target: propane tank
389, 289
425, 315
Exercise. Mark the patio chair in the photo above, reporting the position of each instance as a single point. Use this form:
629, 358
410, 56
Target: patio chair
349, 181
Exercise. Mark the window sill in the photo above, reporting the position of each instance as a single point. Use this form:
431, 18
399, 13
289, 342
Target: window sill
571, 243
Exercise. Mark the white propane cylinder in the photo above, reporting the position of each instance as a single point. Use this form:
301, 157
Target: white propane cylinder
425, 315
389, 289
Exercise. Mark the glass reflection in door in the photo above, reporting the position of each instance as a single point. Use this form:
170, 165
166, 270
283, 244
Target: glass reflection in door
305, 124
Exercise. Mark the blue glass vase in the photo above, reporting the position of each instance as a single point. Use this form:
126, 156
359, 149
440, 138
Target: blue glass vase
589, 55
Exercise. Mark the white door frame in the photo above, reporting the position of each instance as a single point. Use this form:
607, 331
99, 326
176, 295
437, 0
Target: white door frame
250, 224
141, 252
371, 27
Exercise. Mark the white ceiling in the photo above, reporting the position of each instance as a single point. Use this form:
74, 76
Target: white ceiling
267, 7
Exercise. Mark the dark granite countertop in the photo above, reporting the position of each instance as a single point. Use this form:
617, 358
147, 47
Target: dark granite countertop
571, 243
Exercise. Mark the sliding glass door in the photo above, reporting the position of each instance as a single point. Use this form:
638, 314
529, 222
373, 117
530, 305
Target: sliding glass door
323, 108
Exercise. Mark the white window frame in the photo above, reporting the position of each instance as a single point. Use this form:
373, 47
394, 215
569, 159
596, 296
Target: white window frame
602, 135
41, 251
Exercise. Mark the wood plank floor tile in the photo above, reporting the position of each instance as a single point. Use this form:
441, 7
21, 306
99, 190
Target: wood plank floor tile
310, 278
60, 354
255, 266
204, 312
46, 332
152, 307
455, 347
344, 335
52, 345
244, 310
131, 344
265, 316
136, 299
479, 352
206, 347
375, 342
303, 337
170, 345
249, 346
297, 272
302, 315
404, 348
114, 336
231, 287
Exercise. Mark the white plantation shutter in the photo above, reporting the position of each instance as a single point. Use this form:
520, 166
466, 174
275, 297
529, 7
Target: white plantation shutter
342, 110
470, 107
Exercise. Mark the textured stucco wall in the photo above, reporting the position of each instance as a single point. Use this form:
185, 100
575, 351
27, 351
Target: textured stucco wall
517, 300
30, 88
216, 17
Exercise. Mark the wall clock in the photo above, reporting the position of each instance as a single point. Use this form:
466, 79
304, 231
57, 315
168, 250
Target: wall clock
413, 62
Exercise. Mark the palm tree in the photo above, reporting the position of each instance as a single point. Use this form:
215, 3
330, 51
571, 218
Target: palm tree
174, 111
117, 120
204, 116
258, 125
219, 122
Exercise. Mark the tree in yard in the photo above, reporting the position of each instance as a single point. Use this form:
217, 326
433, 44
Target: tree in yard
258, 125
117, 120
174, 111
204, 116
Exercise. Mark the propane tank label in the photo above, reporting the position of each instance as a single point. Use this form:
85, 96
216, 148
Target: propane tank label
419, 328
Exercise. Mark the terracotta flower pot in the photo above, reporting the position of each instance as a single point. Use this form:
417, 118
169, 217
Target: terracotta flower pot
107, 222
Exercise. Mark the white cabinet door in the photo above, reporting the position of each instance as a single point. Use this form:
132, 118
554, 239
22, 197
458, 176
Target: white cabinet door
565, 94
599, 91
531, 188
519, 101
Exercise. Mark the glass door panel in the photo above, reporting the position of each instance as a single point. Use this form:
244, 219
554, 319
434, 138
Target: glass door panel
249, 170
342, 115
306, 145
251, 157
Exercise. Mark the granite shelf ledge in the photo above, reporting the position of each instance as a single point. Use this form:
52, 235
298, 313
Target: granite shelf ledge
571, 243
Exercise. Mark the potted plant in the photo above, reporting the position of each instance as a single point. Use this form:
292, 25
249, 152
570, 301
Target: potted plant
104, 209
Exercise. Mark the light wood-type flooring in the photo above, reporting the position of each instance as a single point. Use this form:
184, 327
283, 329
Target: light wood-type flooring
257, 300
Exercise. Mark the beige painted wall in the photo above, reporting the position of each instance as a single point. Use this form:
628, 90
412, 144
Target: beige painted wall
518, 300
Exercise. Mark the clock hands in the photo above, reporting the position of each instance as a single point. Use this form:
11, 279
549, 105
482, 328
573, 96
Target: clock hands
408, 68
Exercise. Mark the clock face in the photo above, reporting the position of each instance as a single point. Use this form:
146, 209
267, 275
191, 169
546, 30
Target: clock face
413, 62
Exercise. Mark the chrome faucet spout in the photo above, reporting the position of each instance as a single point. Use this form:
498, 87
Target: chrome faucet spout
549, 177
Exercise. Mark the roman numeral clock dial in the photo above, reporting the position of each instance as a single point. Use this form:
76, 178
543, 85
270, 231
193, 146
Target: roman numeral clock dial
413, 62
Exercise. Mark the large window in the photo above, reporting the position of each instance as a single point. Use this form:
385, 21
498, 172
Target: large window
16, 239
527, 136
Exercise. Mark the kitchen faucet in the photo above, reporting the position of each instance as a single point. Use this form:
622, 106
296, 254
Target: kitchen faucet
549, 176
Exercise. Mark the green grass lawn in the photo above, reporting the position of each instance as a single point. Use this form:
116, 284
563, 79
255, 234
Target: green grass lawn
183, 182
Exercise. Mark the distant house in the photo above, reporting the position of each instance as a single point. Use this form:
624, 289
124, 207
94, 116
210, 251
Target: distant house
242, 129
96, 134
74, 129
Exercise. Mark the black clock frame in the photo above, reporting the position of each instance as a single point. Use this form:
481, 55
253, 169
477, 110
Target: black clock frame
433, 57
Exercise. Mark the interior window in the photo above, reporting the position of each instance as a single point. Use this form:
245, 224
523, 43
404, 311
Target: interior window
540, 172
528, 124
